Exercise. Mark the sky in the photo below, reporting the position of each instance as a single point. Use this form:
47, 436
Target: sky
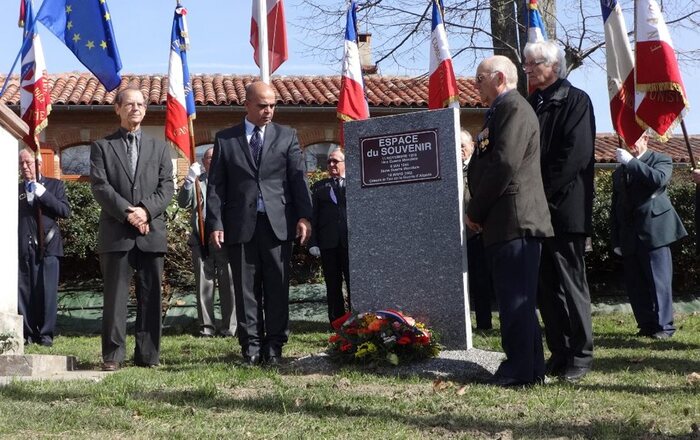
219, 33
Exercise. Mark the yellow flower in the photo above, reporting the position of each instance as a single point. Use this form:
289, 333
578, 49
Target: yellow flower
392, 358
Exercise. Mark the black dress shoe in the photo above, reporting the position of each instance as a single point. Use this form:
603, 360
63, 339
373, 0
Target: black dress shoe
555, 367
144, 365
574, 374
273, 361
252, 361
46, 341
510, 382
658, 335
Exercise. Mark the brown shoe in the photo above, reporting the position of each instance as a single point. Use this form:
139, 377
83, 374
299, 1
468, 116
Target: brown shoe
110, 366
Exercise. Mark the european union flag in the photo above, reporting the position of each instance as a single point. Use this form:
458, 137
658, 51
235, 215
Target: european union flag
85, 26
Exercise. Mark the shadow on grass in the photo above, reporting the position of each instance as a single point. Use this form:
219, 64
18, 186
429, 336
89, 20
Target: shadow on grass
620, 341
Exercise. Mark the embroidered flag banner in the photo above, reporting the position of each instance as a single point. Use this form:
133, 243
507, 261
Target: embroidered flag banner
657, 72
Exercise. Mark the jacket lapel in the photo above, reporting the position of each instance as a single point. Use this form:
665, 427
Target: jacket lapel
117, 145
270, 134
243, 142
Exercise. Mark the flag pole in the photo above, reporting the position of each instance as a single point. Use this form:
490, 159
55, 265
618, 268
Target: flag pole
693, 164
39, 215
263, 50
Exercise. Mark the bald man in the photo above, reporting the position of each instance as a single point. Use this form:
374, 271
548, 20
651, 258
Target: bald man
258, 202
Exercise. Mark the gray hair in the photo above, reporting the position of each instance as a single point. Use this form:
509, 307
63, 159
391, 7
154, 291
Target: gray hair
499, 63
122, 93
550, 52
465, 133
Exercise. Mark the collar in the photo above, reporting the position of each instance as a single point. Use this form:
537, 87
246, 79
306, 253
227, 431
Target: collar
123, 132
501, 97
557, 91
249, 127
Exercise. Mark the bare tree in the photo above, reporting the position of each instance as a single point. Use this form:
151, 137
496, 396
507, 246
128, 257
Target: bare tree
476, 28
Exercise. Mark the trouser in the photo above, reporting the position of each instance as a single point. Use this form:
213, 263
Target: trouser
480, 288
334, 262
215, 269
38, 296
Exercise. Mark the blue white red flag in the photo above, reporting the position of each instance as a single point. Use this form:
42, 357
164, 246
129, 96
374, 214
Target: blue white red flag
35, 99
180, 106
276, 33
657, 72
442, 85
85, 26
535, 25
620, 68
352, 103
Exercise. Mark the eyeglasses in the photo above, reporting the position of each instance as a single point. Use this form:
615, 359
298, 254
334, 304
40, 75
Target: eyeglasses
482, 76
334, 161
531, 64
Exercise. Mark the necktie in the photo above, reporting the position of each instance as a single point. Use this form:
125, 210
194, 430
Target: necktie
256, 145
132, 152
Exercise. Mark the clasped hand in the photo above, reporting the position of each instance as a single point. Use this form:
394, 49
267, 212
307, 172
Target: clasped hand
138, 218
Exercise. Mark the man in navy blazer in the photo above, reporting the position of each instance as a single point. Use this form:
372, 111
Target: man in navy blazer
38, 268
644, 224
131, 177
330, 238
257, 203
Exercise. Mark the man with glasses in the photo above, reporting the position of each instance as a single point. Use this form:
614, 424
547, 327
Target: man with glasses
330, 237
257, 203
509, 208
567, 136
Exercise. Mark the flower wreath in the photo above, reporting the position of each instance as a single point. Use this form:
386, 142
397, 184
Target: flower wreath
381, 337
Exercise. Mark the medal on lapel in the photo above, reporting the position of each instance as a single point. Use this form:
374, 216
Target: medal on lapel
482, 139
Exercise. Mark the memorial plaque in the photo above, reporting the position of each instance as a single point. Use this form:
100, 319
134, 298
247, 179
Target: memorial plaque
400, 158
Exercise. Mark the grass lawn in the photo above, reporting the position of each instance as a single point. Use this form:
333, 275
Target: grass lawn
639, 389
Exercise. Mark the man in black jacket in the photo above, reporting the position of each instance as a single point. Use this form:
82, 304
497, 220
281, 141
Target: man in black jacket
567, 135
38, 259
330, 233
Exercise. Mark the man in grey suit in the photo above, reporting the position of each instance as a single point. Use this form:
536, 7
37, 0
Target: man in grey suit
509, 207
131, 176
644, 224
210, 265
257, 203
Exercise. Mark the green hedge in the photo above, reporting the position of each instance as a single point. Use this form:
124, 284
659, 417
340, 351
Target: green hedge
81, 265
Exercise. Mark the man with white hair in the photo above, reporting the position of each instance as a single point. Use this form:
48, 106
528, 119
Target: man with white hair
509, 207
567, 135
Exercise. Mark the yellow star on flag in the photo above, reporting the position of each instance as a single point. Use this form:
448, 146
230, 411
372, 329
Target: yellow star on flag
103, 45
69, 9
69, 25
90, 44
76, 38
107, 16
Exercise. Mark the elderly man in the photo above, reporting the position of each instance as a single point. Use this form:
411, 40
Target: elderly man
330, 238
210, 265
567, 135
644, 224
131, 176
509, 207
257, 203
38, 257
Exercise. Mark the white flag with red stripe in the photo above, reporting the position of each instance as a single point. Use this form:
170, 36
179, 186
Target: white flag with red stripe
657, 72
180, 106
352, 104
35, 99
276, 34
620, 68
442, 85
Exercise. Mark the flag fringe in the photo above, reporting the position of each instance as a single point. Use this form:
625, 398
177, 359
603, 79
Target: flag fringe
450, 100
665, 136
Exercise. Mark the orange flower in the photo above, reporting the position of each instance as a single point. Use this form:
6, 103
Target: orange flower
376, 325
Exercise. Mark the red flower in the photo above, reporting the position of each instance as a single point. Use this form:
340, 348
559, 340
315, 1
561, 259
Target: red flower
376, 325
346, 346
423, 340
340, 321
335, 338
404, 340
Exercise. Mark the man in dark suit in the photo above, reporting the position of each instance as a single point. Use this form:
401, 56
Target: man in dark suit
509, 208
644, 224
257, 203
131, 176
567, 135
330, 238
38, 259
211, 265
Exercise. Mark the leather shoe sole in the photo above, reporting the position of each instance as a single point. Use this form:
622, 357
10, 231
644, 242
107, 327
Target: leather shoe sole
110, 366
252, 361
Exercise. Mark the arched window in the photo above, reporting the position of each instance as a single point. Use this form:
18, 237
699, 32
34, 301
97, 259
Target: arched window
316, 155
75, 162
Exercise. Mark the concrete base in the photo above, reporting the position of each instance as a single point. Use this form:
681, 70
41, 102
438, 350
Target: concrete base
35, 365
12, 323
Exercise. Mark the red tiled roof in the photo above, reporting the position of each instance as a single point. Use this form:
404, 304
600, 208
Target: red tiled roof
605, 145
382, 91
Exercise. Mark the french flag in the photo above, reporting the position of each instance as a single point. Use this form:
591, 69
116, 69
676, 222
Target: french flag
180, 107
442, 85
35, 99
276, 34
657, 72
620, 67
535, 25
352, 104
